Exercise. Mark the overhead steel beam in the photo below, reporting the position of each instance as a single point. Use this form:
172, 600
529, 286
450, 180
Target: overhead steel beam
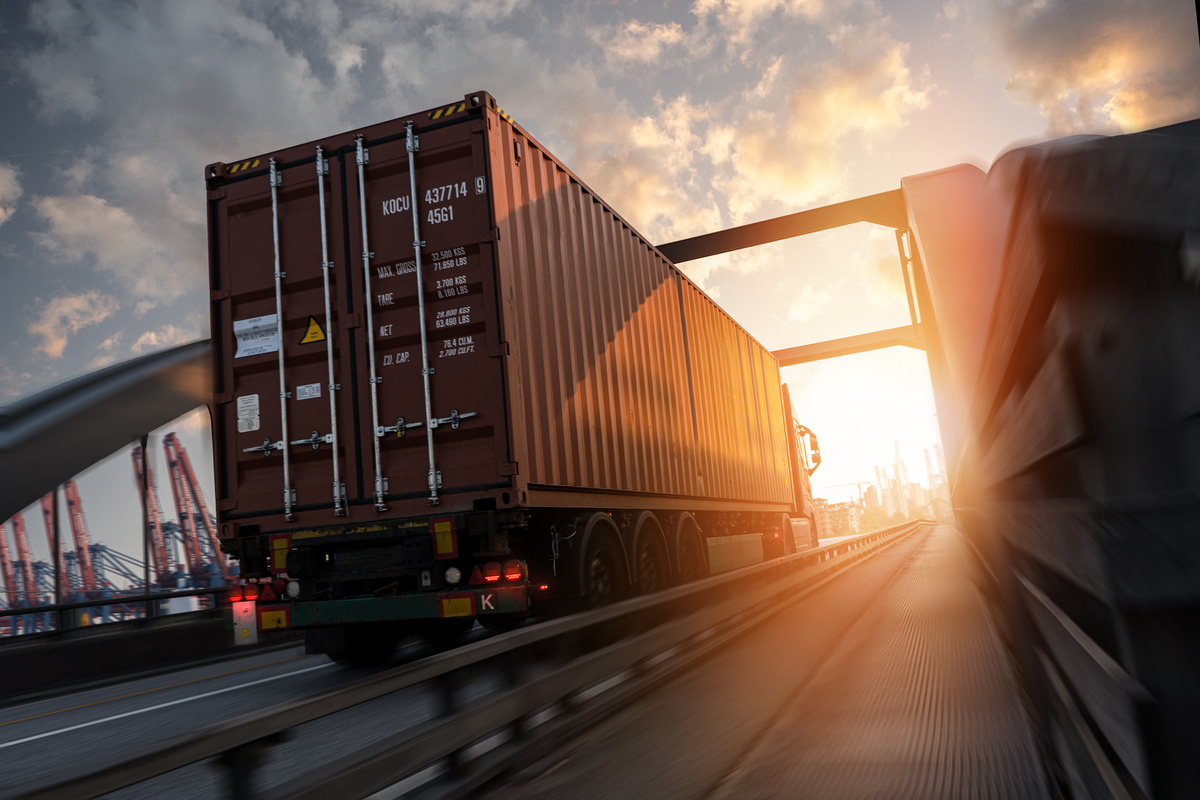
907, 336
56, 434
885, 208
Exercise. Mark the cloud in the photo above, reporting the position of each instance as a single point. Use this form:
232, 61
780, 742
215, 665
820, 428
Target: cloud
139, 256
10, 191
166, 336
636, 43
1101, 66
793, 153
68, 314
12, 381
808, 304
164, 89
743, 19
882, 269
646, 173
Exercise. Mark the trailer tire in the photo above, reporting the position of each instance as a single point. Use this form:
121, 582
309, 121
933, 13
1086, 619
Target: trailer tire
650, 557
601, 574
445, 632
689, 553
367, 645
502, 624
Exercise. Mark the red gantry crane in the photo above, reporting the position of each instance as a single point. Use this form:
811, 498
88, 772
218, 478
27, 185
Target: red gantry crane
48, 518
6, 569
158, 543
178, 460
83, 545
25, 561
185, 508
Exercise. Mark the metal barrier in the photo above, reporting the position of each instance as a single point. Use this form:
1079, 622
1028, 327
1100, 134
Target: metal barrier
604, 657
57, 609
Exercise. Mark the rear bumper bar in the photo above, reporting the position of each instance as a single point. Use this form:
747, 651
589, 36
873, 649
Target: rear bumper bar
467, 602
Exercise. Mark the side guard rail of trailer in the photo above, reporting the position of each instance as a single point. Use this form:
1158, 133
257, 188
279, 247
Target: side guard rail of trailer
598, 658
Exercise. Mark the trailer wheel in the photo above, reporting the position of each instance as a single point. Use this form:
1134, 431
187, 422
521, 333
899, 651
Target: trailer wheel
502, 624
652, 573
691, 557
368, 645
445, 632
601, 574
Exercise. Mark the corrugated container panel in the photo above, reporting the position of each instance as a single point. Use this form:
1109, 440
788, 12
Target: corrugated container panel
597, 333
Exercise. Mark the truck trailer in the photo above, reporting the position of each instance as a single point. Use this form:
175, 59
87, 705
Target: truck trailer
452, 384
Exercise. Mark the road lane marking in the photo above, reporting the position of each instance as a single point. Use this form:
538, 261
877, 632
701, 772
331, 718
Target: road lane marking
149, 691
161, 705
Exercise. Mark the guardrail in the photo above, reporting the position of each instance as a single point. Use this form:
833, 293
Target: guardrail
55, 610
604, 657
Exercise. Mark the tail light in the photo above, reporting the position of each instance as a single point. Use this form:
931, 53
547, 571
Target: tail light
513, 570
491, 571
243, 591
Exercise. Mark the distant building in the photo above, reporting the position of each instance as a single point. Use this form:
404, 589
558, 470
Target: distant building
837, 519
871, 498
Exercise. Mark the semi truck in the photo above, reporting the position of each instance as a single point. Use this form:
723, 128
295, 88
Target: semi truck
453, 385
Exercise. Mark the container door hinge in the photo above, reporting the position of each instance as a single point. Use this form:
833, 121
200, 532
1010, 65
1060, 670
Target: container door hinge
491, 236
226, 505
453, 420
508, 469
477, 126
499, 350
352, 320
221, 399
218, 294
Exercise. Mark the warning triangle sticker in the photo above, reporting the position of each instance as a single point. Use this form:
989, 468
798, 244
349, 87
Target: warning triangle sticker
314, 332
267, 594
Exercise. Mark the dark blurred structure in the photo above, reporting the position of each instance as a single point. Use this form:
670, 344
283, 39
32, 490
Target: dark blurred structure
1065, 289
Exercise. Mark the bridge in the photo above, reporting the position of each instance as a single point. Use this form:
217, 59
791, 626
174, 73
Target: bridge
1041, 645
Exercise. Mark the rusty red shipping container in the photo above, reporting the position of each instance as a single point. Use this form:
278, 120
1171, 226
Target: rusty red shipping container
565, 362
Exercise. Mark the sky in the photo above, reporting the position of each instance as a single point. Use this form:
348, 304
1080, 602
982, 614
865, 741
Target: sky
685, 116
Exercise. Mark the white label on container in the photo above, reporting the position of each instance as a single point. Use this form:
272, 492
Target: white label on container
256, 335
308, 391
247, 413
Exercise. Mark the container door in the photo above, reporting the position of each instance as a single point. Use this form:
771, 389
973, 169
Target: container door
436, 404
288, 457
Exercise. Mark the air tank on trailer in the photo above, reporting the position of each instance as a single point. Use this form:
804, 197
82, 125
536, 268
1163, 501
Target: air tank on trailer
451, 383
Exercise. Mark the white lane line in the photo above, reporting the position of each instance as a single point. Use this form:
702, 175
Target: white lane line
162, 705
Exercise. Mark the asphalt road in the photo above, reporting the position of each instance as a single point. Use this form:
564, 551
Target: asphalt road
73, 734
887, 681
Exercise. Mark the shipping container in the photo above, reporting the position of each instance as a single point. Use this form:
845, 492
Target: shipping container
431, 327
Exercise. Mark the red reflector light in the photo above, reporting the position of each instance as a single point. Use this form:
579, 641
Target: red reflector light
250, 591
513, 570
234, 594
491, 571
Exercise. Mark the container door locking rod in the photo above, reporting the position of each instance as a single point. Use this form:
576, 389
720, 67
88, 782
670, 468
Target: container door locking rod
326, 265
367, 255
276, 181
435, 480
